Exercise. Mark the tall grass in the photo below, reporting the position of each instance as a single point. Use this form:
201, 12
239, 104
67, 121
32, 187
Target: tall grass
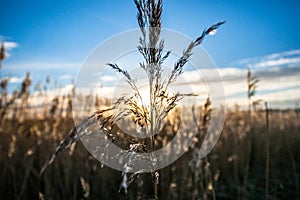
25, 143
237, 167
150, 119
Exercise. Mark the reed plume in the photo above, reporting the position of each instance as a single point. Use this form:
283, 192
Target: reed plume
149, 119
2, 54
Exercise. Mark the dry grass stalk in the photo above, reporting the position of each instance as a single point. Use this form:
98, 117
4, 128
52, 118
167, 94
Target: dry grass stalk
2, 54
267, 176
6, 102
161, 101
85, 187
41, 196
202, 177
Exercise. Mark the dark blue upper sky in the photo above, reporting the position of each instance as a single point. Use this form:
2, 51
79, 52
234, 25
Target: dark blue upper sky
65, 31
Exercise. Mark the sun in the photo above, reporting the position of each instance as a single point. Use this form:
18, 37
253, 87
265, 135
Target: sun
145, 94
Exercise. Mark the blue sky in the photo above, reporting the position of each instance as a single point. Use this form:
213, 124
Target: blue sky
54, 37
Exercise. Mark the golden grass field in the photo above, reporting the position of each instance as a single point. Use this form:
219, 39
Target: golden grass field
235, 169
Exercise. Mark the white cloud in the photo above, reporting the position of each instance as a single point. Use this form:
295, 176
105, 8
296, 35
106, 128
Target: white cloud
13, 79
65, 77
276, 62
282, 59
109, 78
10, 45
31, 66
286, 53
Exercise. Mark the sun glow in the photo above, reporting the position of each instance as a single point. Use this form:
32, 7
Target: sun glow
145, 94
